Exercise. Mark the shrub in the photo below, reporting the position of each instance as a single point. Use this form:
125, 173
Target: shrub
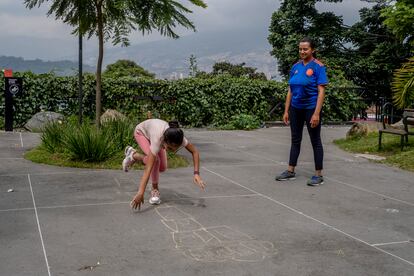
52, 137
121, 132
242, 121
194, 101
2, 122
88, 143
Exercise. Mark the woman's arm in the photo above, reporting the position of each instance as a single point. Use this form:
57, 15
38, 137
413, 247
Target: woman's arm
196, 160
139, 197
287, 106
315, 120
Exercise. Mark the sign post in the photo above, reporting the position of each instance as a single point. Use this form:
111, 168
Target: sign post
12, 87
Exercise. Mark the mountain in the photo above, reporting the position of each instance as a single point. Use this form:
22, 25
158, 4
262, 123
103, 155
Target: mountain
37, 66
170, 58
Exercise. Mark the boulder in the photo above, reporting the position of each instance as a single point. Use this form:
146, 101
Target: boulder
398, 124
357, 130
42, 118
112, 114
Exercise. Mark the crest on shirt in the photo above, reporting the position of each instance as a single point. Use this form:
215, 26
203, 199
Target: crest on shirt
296, 71
309, 72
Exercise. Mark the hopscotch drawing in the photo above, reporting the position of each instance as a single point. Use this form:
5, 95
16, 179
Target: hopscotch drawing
212, 244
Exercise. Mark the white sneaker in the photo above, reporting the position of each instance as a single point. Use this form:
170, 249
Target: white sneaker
155, 197
128, 160
128, 150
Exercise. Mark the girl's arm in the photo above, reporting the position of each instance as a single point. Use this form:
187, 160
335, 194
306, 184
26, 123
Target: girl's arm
315, 120
196, 160
139, 197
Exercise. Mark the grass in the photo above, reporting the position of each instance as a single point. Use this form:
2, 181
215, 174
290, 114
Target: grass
41, 155
391, 149
67, 144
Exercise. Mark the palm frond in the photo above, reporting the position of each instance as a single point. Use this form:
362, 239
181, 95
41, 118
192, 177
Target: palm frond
403, 85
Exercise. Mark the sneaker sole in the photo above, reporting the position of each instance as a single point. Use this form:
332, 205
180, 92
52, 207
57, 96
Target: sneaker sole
156, 202
286, 179
314, 185
125, 165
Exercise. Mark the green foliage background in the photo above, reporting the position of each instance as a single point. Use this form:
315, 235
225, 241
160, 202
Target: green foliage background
367, 52
194, 102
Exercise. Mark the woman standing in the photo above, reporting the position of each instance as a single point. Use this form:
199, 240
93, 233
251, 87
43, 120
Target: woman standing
304, 100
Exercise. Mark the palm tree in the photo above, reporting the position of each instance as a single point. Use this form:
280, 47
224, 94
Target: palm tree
403, 85
116, 19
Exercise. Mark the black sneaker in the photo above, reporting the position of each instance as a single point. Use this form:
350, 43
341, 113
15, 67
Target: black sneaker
286, 175
315, 180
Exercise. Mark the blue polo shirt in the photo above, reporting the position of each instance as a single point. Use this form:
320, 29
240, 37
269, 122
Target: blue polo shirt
304, 81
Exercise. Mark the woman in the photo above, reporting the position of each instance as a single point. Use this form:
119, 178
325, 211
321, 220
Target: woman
304, 102
154, 137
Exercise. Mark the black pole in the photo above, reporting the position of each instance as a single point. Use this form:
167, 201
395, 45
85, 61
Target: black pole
80, 78
12, 87
8, 110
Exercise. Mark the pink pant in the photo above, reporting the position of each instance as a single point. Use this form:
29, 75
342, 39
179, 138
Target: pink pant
160, 164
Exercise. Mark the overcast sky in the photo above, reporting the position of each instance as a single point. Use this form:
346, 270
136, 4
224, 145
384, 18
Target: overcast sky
31, 34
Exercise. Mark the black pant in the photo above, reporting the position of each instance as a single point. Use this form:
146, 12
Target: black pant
297, 119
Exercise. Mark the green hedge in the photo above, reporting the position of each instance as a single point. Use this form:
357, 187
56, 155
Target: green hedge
193, 101
201, 102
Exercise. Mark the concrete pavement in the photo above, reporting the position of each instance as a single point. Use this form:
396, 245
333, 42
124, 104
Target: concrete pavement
66, 221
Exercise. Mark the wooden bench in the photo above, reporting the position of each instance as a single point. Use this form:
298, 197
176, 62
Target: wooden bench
388, 118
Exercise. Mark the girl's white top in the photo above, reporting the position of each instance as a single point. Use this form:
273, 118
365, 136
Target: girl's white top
153, 130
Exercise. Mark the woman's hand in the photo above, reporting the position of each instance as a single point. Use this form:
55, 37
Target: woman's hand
314, 120
286, 118
199, 182
137, 201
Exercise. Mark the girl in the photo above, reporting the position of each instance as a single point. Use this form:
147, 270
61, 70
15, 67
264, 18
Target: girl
154, 137
304, 102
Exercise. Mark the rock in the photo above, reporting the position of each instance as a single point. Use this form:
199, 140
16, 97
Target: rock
42, 118
112, 114
398, 124
357, 130
361, 129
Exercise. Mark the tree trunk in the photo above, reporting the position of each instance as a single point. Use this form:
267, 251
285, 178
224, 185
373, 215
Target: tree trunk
98, 109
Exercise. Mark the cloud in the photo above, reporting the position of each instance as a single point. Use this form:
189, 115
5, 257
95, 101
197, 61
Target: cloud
33, 26
220, 15
19, 8
349, 9
234, 14
17, 20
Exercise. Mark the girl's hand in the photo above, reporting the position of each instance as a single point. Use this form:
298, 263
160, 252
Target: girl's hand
314, 120
137, 201
199, 182
286, 118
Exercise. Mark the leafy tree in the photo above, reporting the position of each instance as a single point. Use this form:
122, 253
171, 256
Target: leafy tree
296, 19
403, 85
193, 69
125, 68
375, 52
116, 19
399, 18
236, 70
